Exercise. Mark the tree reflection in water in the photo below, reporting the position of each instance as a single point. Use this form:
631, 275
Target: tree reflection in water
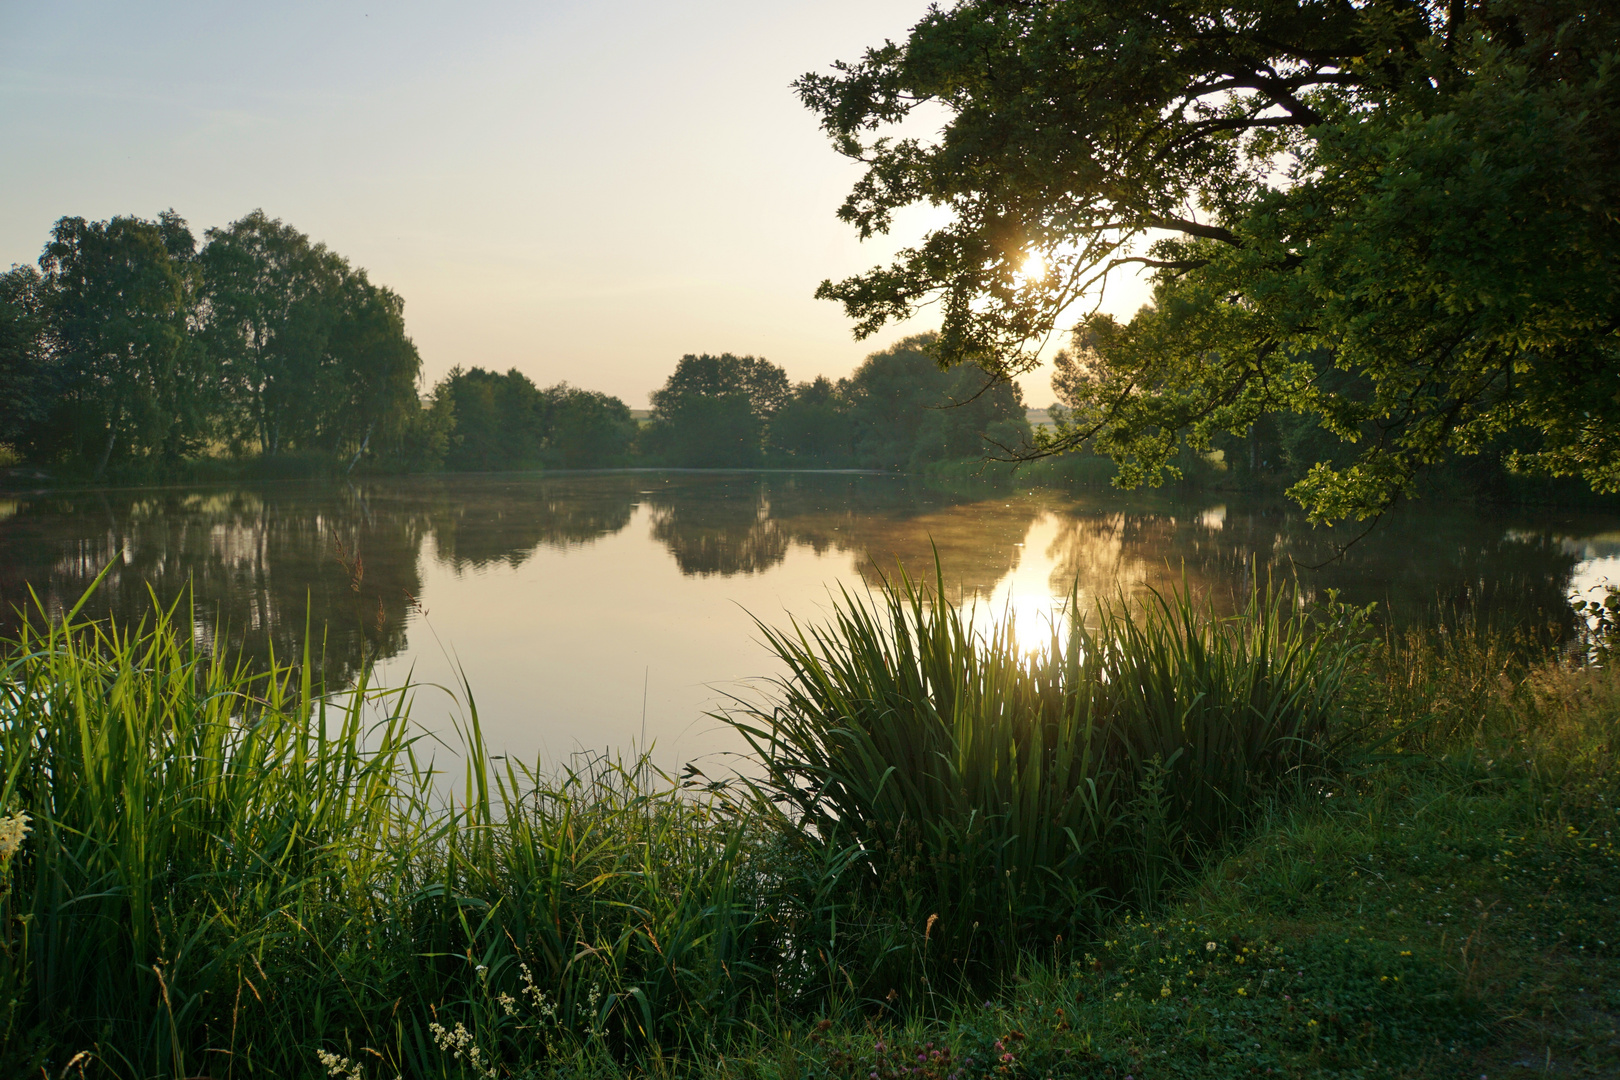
348, 558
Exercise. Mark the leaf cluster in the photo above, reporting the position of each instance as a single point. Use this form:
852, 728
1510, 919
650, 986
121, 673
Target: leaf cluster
1419, 195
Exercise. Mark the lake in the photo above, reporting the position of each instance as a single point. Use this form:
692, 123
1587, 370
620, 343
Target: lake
595, 610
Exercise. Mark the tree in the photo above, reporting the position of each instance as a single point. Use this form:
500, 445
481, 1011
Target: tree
274, 300
586, 428
1421, 196
713, 411
889, 395
24, 359
506, 422
978, 415
120, 302
907, 412
375, 367
314, 355
813, 426
425, 440
500, 420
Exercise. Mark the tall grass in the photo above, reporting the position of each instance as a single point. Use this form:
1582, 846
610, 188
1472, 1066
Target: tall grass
230, 873
979, 800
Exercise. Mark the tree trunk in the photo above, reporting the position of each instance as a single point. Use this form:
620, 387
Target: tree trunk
106, 451
365, 442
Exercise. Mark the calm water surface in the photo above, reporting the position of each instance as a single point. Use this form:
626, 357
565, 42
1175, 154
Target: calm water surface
588, 610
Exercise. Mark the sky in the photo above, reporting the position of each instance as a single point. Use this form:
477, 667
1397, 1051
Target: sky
583, 191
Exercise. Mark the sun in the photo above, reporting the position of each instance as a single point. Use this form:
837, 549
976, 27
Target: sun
1033, 267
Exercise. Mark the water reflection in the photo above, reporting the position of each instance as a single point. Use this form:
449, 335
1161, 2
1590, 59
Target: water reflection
1414, 565
581, 583
259, 562
508, 521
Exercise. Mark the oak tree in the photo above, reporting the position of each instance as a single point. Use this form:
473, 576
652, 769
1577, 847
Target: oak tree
1396, 216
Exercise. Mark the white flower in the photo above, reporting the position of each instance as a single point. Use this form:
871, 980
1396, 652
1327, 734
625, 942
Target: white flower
13, 828
338, 1066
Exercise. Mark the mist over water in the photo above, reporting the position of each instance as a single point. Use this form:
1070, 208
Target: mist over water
570, 600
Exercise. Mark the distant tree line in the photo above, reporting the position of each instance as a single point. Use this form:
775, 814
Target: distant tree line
131, 350
898, 411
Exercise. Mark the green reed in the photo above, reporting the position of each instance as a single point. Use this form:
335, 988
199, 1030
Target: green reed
232, 872
979, 800
228, 872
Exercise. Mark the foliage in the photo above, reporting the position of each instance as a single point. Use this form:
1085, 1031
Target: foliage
23, 371
1437, 914
425, 440
908, 412
499, 419
897, 411
993, 799
813, 426
313, 355
124, 372
588, 428
506, 422
713, 411
134, 350
1417, 196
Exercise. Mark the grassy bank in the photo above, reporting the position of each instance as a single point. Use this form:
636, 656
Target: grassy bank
1170, 846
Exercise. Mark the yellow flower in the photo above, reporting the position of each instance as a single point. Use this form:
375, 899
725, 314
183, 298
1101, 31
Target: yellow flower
1164, 991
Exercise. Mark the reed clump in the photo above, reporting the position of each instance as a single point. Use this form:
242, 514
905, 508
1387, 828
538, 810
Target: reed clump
978, 800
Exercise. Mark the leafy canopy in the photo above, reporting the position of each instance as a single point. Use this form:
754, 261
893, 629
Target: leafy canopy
1397, 217
713, 411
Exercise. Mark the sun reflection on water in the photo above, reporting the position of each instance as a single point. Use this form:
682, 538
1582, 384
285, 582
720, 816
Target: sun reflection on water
1028, 595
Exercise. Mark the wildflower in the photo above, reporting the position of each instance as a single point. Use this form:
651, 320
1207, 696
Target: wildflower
537, 997
13, 828
507, 1003
338, 1066
1209, 946
1164, 991
454, 1041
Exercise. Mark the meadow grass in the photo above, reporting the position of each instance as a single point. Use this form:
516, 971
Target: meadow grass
1192, 845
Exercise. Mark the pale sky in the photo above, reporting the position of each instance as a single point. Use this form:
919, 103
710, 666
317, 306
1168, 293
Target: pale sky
583, 191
